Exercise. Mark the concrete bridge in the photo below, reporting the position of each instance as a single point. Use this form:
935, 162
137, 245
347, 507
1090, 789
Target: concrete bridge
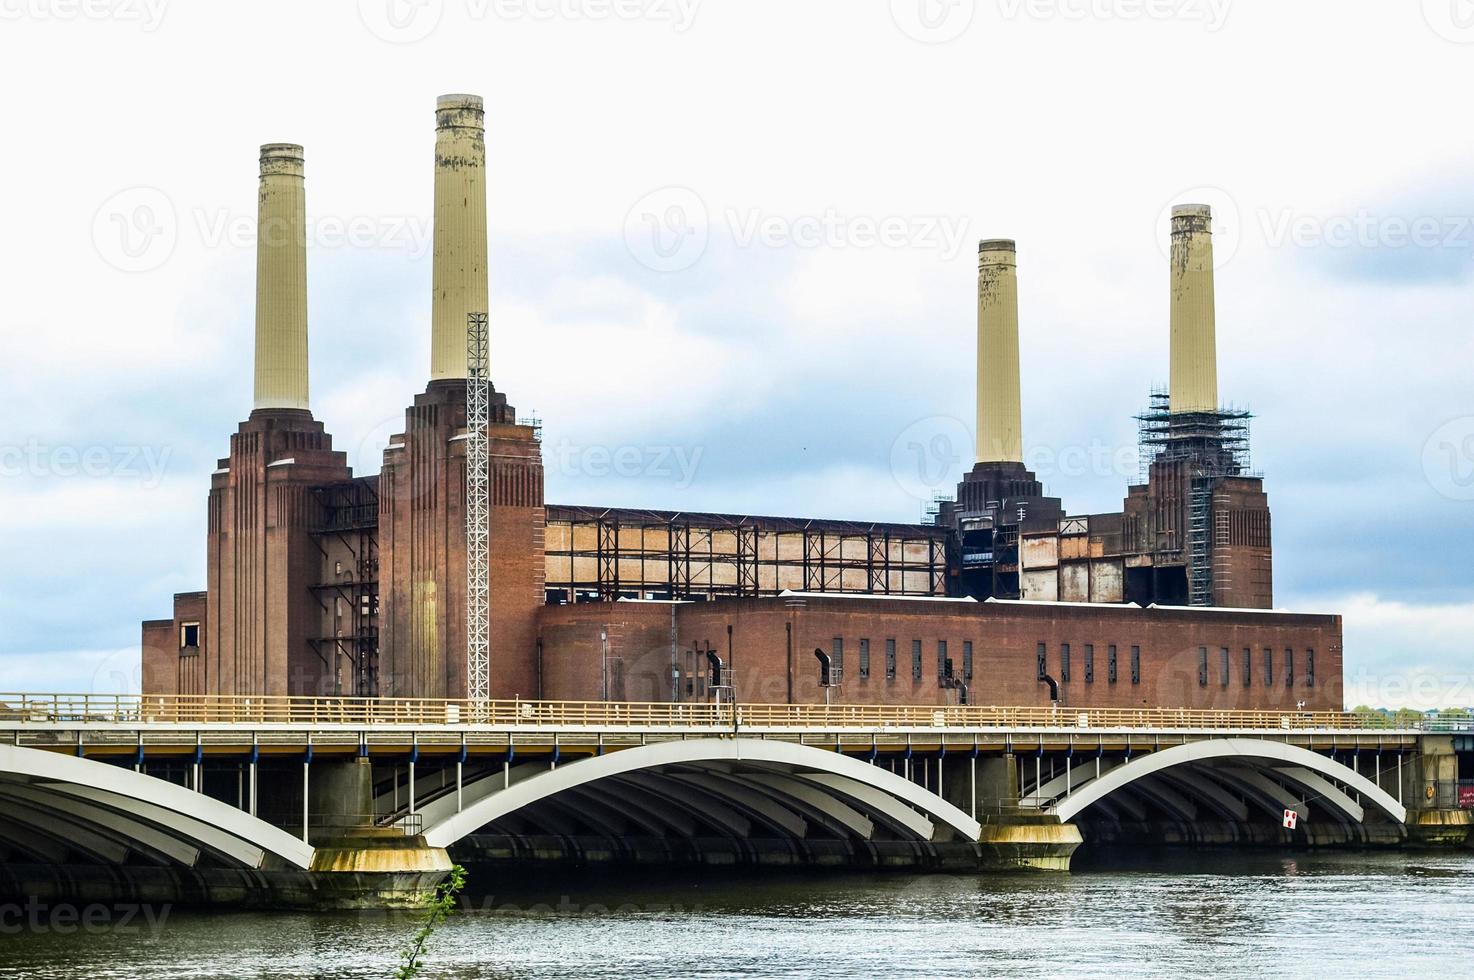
332, 802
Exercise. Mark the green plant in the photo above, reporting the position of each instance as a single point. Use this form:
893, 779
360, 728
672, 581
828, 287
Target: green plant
439, 905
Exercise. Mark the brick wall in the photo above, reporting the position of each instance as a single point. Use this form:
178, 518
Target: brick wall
773, 640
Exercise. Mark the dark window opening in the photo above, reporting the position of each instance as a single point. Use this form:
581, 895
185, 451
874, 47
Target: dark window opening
1064, 663
1223, 670
1111, 664
1136, 665
1310, 668
838, 659
1040, 653
916, 660
864, 659
1202, 666
1269, 666
1248, 667
890, 660
1289, 667
942, 673
967, 660
1090, 663
189, 635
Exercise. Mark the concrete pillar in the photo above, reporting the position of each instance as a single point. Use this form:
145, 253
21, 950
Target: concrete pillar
459, 274
341, 797
1194, 381
281, 280
1000, 425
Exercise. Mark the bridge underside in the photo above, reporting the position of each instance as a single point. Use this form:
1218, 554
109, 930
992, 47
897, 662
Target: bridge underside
706, 801
1222, 792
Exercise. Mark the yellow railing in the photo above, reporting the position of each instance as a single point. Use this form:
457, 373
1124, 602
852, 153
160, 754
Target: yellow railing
426, 712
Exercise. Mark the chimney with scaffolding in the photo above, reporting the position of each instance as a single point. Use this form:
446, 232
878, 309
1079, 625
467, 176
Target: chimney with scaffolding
1199, 510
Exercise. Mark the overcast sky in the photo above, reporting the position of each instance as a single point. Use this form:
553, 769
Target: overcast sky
733, 264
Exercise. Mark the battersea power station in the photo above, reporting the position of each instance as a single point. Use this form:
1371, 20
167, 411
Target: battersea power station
447, 575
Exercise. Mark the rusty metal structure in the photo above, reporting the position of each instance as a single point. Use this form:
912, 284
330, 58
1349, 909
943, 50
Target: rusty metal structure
601, 554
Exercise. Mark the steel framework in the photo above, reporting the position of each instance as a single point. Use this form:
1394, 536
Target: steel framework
478, 511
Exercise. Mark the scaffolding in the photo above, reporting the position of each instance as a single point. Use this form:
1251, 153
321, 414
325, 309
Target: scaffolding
1206, 447
609, 554
348, 518
478, 512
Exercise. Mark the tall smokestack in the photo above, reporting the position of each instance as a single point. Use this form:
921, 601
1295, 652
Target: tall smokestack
459, 276
281, 279
1194, 385
1000, 426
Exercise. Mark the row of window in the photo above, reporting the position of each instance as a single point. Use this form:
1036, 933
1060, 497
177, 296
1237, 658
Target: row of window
1246, 662
1042, 656
946, 668
1225, 669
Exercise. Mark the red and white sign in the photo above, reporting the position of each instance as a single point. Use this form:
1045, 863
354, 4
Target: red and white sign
1291, 819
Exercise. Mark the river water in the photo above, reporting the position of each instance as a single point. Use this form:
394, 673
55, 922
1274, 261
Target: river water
1222, 915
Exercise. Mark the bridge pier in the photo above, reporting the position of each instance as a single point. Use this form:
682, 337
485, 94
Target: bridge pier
987, 788
1430, 789
355, 862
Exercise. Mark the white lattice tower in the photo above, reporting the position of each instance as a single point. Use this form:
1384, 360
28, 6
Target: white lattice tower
478, 512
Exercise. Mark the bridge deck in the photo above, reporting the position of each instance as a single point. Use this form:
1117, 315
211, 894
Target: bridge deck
106, 725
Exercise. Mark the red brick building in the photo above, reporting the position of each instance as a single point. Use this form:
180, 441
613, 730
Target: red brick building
322, 583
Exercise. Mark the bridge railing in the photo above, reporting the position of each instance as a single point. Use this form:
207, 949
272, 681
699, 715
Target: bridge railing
429, 713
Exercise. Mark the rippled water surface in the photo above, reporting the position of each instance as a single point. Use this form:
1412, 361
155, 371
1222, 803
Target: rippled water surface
1220, 915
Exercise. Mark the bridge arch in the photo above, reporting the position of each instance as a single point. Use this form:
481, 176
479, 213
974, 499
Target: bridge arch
734, 784
1316, 775
51, 803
